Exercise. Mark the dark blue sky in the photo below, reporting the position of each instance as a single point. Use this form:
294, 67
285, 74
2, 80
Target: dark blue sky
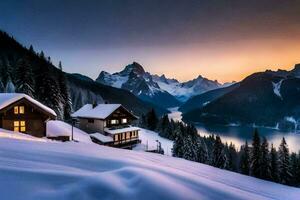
166, 36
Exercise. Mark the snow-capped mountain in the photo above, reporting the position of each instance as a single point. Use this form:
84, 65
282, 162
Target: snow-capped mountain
183, 91
160, 90
134, 79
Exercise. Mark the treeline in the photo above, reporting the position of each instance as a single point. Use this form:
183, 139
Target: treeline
259, 159
23, 70
163, 126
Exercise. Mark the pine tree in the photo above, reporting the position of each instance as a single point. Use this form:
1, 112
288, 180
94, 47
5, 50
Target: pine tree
201, 151
48, 89
24, 77
294, 169
218, 156
152, 120
10, 87
162, 126
284, 163
232, 158
255, 161
274, 164
177, 150
64, 92
2, 89
189, 149
265, 161
245, 159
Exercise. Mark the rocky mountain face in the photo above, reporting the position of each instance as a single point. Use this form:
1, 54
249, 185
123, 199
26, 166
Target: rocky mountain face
134, 79
156, 89
269, 98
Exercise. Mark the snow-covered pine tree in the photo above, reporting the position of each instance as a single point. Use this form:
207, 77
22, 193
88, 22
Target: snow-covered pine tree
255, 160
284, 163
47, 89
66, 100
245, 159
201, 150
232, 158
178, 143
218, 156
265, 161
10, 87
24, 77
1, 86
189, 149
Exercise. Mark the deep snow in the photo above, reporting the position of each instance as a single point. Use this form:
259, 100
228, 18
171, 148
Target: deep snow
70, 171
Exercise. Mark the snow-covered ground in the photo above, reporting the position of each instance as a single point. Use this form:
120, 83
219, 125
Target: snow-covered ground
59, 128
149, 139
70, 171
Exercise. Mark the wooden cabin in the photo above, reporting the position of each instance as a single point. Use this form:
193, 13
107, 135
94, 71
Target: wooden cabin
108, 124
21, 113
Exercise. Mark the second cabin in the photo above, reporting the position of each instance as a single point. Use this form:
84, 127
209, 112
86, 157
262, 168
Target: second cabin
108, 124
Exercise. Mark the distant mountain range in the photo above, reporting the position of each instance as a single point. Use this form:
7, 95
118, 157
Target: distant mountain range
269, 98
156, 89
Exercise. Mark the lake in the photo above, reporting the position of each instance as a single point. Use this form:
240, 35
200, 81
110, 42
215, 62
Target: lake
239, 134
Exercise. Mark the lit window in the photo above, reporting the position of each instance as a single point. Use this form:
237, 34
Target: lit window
124, 121
20, 126
21, 110
16, 126
128, 135
116, 137
123, 136
16, 110
114, 121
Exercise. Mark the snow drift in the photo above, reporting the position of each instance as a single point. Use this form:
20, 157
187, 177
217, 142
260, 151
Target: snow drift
69, 171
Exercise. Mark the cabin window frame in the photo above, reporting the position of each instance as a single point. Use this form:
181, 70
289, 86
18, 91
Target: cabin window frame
114, 121
19, 126
19, 110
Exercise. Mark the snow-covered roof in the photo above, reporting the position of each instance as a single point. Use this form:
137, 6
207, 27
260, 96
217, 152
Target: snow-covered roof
56, 128
8, 98
101, 137
121, 130
101, 111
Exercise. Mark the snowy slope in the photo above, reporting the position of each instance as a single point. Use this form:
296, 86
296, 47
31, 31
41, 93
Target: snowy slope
149, 138
70, 171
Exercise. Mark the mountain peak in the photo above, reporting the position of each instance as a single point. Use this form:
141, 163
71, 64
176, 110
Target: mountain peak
134, 67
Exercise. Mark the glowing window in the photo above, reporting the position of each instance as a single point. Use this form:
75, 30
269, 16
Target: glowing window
16, 110
116, 137
16, 126
128, 135
114, 121
124, 121
21, 109
123, 136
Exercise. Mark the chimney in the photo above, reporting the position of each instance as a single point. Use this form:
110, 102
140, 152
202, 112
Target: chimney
94, 104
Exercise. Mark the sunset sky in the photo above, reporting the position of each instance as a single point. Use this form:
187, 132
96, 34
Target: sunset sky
224, 40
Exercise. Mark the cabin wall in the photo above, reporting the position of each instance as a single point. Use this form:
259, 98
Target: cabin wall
96, 126
34, 119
